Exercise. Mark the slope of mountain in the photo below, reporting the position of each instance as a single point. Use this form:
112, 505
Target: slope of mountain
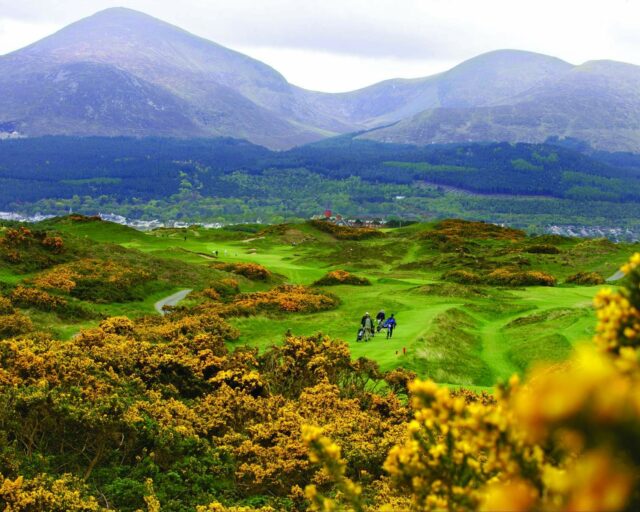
597, 102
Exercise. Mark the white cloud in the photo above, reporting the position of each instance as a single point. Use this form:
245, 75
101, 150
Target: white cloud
332, 72
341, 44
17, 34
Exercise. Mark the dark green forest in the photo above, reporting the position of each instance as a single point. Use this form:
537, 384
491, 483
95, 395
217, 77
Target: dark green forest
229, 180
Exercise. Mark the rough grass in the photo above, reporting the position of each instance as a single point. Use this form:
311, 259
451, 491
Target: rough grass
451, 351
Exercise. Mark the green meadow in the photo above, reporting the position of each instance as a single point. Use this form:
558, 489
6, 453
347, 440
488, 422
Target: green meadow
471, 334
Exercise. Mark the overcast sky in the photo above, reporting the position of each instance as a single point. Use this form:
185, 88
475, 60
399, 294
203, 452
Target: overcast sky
339, 45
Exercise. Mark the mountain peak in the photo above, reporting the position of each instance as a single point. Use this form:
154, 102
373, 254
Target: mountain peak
115, 17
119, 11
507, 59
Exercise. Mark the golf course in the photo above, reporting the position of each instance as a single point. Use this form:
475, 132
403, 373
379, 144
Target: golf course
454, 325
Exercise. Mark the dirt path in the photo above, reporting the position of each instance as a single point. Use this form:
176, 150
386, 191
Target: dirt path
616, 277
171, 300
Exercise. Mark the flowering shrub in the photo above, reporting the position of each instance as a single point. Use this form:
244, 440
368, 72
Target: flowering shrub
285, 298
336, 277
46, 494
54, 243
14, 324
32, 297
462, 277
507, 277
32, 249
251, 271
6, 308
502, 277
221, 290
16, 237
95, 280
586, 278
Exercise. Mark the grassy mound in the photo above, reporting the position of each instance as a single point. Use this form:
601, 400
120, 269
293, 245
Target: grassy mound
453, 290
456, 229
542, 249
538, 337
346, 232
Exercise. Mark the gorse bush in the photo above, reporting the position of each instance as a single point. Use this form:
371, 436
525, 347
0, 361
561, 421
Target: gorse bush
97, 280
507, 277
162, 398
31, 249
43, 492
585, 278
28, 297
336, 277
281, 299
251, 271
224, 298
502, 277
14, 324
462, 277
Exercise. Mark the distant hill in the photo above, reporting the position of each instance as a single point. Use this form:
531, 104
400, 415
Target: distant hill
488, 79
124, 73
598, 103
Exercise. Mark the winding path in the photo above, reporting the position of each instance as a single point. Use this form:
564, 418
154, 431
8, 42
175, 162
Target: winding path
616, 277
171, 300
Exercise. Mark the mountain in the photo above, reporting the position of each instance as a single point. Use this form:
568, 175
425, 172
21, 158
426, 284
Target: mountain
483, 80
124, 73
597, 102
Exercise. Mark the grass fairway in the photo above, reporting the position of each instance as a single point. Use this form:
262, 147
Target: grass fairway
454, 333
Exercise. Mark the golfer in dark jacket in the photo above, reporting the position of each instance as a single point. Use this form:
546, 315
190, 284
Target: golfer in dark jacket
367, 325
